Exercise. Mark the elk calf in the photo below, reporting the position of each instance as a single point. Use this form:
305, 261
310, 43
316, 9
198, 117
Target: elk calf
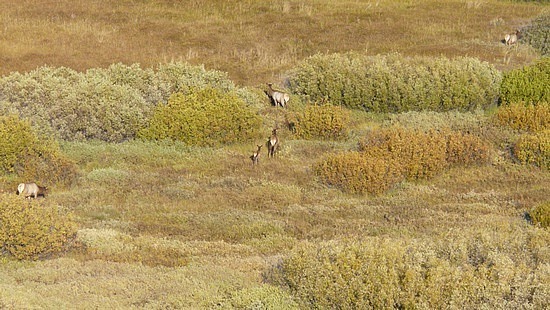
31, 190
256, 156
278, 98
272, 143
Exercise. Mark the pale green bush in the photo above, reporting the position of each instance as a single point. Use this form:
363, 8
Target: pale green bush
33, 229
263, 297
470, 270
394, 83
110, 104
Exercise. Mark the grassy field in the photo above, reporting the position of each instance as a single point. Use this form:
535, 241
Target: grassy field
169, 226
254, 41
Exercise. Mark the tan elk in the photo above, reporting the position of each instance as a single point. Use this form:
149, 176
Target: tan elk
272, 143
512, 38
256, 156
31, 190
278, 98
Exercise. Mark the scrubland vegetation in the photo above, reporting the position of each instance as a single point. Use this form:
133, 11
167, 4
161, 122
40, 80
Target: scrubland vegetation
413, 170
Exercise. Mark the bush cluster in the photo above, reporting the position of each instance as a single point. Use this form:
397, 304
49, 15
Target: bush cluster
536, 34
203, 117
31, 156
534, 149
525, 117
528, 84
394, 83
540, 215
33, 229
394, 274
321, 122
390, 155
110, 104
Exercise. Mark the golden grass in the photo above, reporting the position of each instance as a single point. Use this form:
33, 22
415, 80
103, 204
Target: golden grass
254, 41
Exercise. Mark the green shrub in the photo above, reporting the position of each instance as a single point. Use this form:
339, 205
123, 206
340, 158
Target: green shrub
321, 121
527, 117
528, 84
390, 155
534, 149
536, 34
470, 272
540, 215
33, 229
110, 104
203, 117
394, 83
30, 156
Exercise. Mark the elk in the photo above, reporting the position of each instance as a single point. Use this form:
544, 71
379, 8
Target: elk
272, 143
31, 190
256, 156
278, 98
512, 38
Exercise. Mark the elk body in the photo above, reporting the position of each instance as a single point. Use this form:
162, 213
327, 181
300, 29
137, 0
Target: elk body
31, 190
278, 98
512, 38
272, 143
256, 156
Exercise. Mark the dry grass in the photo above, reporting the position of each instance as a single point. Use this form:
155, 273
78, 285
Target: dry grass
163, 225
253, 41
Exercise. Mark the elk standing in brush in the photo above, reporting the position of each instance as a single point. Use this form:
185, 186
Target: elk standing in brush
512, 38
31, 190
256, 156
278, 98
272, 143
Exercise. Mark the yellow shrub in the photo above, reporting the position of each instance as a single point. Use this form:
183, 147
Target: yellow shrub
33, 229
30, 156
322, 121
534, 149
540, 215
519, 116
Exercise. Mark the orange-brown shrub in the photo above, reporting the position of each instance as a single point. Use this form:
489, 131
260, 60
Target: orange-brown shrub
528, 117
356, 173
390, 155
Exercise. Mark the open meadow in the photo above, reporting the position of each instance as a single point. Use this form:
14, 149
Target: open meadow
427, 203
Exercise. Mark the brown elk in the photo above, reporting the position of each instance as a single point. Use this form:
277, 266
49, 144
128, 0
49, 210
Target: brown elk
512, 38
272, 143
31, 190
278, 98
256, 156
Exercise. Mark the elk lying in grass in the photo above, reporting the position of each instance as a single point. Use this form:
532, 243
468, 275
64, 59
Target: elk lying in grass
31, 190
278, 98
512, 38
256, 156
272, 143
